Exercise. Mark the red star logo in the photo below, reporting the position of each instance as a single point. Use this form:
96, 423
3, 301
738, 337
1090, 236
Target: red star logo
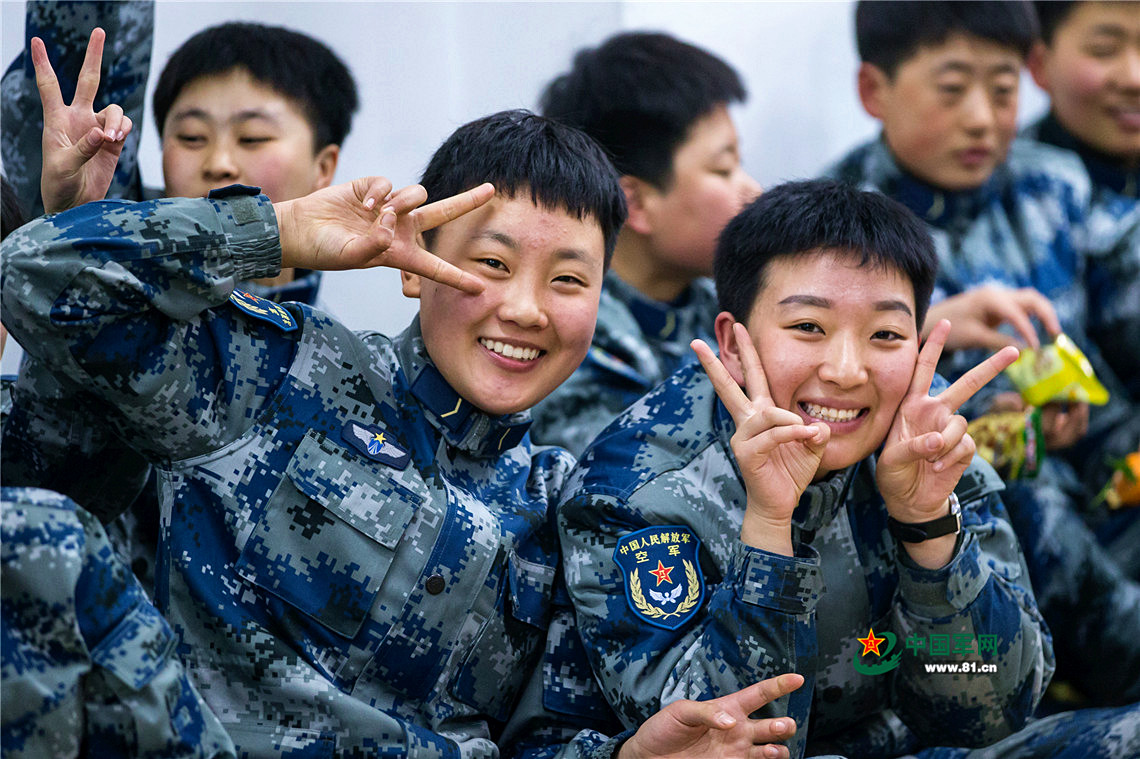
661, 573
871, 643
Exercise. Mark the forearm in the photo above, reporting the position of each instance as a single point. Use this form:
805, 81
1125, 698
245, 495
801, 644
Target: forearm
978, 609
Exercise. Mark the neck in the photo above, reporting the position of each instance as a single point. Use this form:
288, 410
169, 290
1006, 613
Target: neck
636, 265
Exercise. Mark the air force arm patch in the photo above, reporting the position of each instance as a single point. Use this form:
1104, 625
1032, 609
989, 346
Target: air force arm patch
663, 581
263, 309
376, 444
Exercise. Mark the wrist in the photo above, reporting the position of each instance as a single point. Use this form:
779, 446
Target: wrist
286, 232
770, 534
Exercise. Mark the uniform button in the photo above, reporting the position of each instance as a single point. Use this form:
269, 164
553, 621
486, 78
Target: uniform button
434, 584
832, 694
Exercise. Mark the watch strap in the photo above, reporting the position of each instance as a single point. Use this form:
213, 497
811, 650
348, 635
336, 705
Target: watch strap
917, 532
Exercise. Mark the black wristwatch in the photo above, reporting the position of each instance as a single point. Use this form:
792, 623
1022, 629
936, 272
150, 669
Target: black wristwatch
916, 532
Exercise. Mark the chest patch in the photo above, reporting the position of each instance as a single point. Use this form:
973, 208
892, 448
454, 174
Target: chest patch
376, 444
263, 309
663, 581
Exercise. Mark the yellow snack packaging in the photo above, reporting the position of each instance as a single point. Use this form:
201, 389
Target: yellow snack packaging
1011, 442
1057, 372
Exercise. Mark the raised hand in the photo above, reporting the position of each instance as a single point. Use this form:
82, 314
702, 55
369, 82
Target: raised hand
778, 455
719, 727
976, 314
362, 224
927, 448
80, 147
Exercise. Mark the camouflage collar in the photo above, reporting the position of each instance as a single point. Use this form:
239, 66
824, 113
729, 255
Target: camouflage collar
1104, 170
939, 207
657, 319
461, 424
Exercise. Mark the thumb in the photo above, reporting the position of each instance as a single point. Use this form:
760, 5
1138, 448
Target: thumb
89, 146
707, 714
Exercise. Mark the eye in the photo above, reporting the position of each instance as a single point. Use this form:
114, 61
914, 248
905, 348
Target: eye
570, 279
952, 90
807, 327
493, 263
254, 140
191, 140
887, 334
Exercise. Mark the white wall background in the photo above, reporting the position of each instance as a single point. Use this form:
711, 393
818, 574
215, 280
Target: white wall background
424, 68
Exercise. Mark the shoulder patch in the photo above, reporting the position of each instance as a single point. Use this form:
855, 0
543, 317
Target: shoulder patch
263, 309
663, 581
376, 444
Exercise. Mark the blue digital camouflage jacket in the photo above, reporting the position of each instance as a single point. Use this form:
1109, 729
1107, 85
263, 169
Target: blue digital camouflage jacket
671, 604
354, 558
88, 665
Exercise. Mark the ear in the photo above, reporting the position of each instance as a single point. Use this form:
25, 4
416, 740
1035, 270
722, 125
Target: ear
873, 84
729, 349
1036, 63
326, 161
410, 284
638, 193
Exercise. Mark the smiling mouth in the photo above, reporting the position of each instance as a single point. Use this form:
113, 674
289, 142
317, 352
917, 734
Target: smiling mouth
517, 352
828, 414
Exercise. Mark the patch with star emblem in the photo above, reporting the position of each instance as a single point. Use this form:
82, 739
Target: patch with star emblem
663, 581
263, 309
376, 444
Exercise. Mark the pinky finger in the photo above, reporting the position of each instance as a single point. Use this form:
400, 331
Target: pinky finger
769, 751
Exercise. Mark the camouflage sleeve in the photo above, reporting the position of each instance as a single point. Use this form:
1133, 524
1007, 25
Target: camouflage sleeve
121, 299
754, 622
562, 713
981, 608
88, 661
1113, 283
65, 29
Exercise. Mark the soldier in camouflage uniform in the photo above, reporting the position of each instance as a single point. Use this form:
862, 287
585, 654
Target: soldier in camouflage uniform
1085, 61
660, 108
1022, 220
357, 557
57, 438
88, 666
696, 565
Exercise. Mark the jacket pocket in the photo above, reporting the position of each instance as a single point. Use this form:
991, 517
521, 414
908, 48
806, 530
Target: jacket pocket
328, 535
504, 654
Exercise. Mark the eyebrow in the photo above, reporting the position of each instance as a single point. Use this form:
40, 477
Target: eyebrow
962, 67
240, 116
507, 241
815, 301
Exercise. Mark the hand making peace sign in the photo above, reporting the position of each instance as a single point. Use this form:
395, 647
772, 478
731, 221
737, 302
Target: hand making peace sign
362, 224
777, 453
927, 448
80, 147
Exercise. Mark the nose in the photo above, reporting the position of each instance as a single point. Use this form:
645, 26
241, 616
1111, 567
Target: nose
750, 189
977, 110
1129, 71
523, 304
843, 364
219, 164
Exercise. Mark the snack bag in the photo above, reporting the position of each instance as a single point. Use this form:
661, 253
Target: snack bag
1011, 442
1056, 372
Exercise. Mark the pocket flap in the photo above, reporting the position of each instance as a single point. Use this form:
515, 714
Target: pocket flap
530, 586
356, 491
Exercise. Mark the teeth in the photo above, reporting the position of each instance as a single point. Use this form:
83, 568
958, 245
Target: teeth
830, 414
510, 351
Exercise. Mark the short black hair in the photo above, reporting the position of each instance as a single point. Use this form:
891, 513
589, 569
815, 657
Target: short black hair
1050, 16
805, 218
293, 64
518, 152
13, 215
638, 94
889, 32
